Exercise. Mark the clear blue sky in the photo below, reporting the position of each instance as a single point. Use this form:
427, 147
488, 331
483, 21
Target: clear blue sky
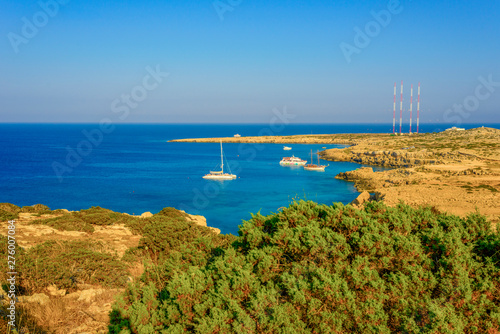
262, 55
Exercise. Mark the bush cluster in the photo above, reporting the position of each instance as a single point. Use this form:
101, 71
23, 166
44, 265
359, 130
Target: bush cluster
64, 264
174, 246
323, 269
84, 220
173, 213
39, 209
9, 211
167, 237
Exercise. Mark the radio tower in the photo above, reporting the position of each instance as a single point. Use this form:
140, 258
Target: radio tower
401, 109
394, 114
411, 105
418, 106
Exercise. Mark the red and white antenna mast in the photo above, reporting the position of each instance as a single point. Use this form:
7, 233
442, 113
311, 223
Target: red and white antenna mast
411, 105
394, 114
418, 106
401, 109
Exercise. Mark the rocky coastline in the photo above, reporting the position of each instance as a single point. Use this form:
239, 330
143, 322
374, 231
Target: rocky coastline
456, 171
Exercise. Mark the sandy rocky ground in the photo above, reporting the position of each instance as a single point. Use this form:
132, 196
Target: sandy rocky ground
86, 310
454, 171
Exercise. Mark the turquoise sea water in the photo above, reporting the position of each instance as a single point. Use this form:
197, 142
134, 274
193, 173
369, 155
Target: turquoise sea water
134, 169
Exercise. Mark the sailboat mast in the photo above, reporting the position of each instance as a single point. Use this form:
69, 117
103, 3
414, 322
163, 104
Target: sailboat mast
221, 159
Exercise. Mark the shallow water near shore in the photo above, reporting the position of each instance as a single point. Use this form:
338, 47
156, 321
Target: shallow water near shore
135, 169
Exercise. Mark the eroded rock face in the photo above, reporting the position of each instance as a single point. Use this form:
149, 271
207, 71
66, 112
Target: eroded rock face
363, 178
364, 172
361, 199
200, 221
393, 158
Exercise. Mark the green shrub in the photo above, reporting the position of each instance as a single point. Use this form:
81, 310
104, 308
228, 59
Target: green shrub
37, 208
9, 211
162, 234
137, 225
324, 269
173, 213
94, 210
64, 264
174, 245
100, 216
66, 222
83, 220
97, 218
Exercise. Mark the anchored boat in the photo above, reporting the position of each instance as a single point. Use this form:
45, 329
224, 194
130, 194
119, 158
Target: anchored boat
312, 166
292, 161
220, 175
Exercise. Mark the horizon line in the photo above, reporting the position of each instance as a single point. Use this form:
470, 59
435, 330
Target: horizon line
235, 123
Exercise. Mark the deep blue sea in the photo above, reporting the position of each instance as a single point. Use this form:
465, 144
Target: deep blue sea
134, 169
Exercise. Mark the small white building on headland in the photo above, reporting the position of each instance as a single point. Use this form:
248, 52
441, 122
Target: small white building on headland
454, 128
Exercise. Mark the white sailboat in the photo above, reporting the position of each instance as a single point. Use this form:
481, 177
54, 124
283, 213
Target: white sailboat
220, 175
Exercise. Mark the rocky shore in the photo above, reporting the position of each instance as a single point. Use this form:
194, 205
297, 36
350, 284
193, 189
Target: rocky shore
456, 172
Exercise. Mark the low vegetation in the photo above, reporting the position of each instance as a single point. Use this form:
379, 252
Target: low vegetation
64, 264
309, 268
325, 269
84, 220
167, 237
9, 211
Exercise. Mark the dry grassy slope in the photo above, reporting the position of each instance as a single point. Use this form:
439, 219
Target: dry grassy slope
86, 310
117, 238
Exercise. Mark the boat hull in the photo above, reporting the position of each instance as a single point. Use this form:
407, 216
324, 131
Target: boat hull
293, 163
318, 168
220, 177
